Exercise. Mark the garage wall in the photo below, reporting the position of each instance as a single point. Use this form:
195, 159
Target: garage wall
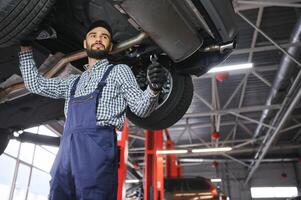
233, 176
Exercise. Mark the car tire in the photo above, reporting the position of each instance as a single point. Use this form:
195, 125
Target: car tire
19, 18
173, 109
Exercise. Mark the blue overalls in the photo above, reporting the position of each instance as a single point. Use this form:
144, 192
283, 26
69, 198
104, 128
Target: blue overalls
86, 164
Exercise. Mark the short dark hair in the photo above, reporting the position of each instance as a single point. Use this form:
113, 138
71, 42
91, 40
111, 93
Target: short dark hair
100, 23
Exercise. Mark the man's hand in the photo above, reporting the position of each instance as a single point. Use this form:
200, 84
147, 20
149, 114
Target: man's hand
25, 45
156, 76
27, 42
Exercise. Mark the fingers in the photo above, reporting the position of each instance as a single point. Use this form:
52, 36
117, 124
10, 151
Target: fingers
25, 48
156, 69
156, 76
156, 80
157, 73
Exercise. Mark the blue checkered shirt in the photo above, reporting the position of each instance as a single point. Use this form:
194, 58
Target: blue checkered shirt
121, 90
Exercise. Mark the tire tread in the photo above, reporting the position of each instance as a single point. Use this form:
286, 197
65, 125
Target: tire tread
172, 110
22, 20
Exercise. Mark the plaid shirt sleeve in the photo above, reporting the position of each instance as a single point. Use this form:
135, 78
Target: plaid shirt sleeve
36, 83
142, 103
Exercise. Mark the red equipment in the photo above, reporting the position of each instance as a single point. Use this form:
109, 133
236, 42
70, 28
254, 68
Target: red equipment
122, 138
173, 169
154, 173
215, 135
154, 167
221, 76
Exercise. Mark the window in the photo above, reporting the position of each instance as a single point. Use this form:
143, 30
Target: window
39, 185
7, 167
274, 192
43, 130
26, 152
33, 129
24, 168
12, 148
43, 159
22, 182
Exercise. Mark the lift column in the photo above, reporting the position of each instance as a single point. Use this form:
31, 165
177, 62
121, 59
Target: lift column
173, 169
154, 172
122, 138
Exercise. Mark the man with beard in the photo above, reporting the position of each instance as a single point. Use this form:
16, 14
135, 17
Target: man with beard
96, 101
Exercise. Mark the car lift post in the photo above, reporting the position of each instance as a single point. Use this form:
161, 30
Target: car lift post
173, 169
122, 138
154, 171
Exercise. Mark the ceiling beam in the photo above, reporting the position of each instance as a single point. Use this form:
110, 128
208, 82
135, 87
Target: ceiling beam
271, 135
236, 152
264, 48
197, 161
240, 5
232, 110
269, 3
255, 34
269, 39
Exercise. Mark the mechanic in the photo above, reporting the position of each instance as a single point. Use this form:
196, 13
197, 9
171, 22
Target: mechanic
86, 164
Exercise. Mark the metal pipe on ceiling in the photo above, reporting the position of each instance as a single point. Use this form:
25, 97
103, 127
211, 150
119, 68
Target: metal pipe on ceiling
197, 161
248, 5
186, 162
269, 3
282, 79
232, 152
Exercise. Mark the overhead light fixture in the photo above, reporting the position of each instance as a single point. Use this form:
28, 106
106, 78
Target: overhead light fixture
210, 150
216, 180
192, 160
132, 181
174, 151
230, 68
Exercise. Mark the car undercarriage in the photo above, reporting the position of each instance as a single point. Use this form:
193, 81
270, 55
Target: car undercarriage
187, 37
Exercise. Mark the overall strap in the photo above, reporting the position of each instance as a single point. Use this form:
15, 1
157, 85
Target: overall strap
103, 82
74, 86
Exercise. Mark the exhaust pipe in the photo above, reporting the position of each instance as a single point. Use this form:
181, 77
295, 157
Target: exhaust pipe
82, 54
18, 90
219, 48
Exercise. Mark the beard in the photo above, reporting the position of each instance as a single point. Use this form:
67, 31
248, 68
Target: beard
97, 54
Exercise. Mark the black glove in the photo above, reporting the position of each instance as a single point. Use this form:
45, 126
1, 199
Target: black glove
26, 43
156, 76
29, 39
142, 80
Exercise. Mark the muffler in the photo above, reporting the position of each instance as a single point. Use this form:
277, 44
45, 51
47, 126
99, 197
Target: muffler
165, 25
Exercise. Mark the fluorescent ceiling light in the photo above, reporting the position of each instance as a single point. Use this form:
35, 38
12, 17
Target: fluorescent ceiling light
274, 192
205, 197
132, 181
216, 180
210, 150
192, 160
174, 151
230, 68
